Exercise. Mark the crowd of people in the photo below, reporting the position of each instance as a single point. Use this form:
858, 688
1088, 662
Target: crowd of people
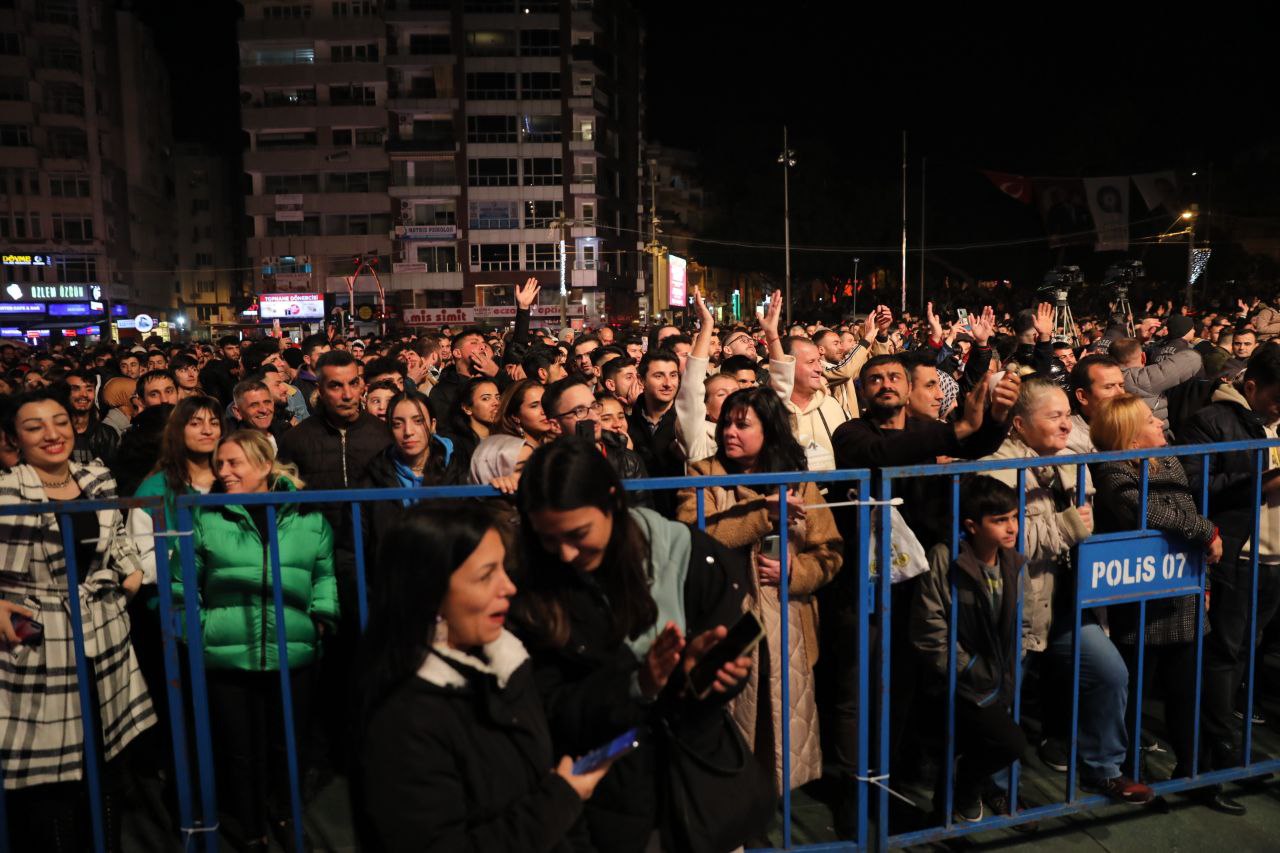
508, 637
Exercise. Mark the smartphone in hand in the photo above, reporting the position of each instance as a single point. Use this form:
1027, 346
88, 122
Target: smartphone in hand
611, 751
741, 639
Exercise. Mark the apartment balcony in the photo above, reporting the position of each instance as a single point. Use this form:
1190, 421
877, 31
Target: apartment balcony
417, 60
311, 73
265, 204
255, 117
317, 159
588, 55
579, 141
17, 112
423, 105
417, 13
418, 190
583, 186
423, 280
323, 29
422, 146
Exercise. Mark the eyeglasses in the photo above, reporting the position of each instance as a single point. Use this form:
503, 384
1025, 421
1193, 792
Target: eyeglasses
580, 412
734, 340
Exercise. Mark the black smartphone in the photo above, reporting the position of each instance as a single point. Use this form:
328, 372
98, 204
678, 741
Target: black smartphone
586, 429
741, 639
614, 749
29, 631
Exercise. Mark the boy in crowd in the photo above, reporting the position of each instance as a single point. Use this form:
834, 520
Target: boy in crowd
988, 574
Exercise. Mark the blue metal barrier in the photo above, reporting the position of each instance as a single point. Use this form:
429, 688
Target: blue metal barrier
198, 808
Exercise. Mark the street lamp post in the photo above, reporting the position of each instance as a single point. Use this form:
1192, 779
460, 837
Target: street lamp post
788, 159
855, 285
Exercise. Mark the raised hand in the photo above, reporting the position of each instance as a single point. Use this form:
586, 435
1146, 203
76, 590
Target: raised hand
884, 317
935, 325
975, 405
770, 315
1044, 320
527, 293
982, 326
1005, 395
705, 320
661, 661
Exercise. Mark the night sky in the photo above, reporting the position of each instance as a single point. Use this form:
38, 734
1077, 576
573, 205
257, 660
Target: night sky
1104, 97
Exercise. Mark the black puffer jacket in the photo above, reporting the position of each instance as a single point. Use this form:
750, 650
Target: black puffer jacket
459, 758
1230, 475
99, 441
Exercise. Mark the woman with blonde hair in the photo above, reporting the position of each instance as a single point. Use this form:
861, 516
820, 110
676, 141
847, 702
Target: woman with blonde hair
238, 627
1127, 423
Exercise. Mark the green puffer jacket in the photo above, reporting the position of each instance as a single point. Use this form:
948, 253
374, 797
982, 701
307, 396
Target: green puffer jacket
237, 611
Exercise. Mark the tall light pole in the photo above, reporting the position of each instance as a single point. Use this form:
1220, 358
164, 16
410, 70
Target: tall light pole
788, 159
855, 286
1189, 217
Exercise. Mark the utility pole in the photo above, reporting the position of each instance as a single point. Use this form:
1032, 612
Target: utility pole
653, 248
563, 223
855, 286
904, 222
788, 159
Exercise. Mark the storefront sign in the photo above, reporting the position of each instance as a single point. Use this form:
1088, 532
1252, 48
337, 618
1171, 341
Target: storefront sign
71, 309
27, 260
430, 232
438, 316
291, 306
22, 307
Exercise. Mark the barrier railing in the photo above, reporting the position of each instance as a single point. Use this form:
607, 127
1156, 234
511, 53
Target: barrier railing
196, 793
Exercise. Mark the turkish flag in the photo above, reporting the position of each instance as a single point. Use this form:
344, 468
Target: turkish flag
1014, 186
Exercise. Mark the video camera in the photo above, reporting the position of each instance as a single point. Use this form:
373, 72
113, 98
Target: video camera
1120, 276
1059, 281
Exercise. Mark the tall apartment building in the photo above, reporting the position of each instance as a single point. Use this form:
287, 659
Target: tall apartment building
455, 142
208, 249
85, 173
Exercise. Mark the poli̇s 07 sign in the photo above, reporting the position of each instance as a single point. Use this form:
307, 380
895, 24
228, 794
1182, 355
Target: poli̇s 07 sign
1136, 565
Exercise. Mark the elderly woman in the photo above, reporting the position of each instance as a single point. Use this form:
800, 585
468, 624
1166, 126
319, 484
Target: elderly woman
1041, 425
752, 437
42, 724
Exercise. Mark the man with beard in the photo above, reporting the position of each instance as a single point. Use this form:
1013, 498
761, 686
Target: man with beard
94, 439
886, 436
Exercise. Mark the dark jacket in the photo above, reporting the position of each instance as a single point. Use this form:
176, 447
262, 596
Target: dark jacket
443, 469
1171, 508
1230, 475
217, 380
984, 638
658, 450
331, 458
863, 443
586, 688
627, 464
444, 396
459, 758
99, 441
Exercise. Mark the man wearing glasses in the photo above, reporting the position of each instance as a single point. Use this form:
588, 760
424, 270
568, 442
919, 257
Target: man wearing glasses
574, 410
739, 342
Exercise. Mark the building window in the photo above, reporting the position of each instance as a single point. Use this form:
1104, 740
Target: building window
540, 85
354, 52
491, 129
495, 257
438, 258
541, 256
430, 44
369, 137
587, 259
308, 227
588, 215
425, 173
58, 12
281, 56
11, 44
352, 96
493, 215
492, 172
539, 42
64, 98
541, 214
491, 43
66, 186
583, 86
64, 56
308, 183
199, 205
357, 182
75, 268
13, 88
285, 139
205, 285
68, 142
358, 224
206, 313
72, 229
541, 128
285, 12
204, 259
12, 135
289, 97
431, 213
543, 171
491, 86
355, 9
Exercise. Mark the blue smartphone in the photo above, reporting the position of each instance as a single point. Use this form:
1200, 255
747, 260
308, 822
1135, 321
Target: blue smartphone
614, 749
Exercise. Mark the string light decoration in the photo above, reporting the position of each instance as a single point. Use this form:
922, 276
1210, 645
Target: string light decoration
1199, 260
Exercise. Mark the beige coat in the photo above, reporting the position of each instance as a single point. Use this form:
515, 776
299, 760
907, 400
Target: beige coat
738, 518
1051, 534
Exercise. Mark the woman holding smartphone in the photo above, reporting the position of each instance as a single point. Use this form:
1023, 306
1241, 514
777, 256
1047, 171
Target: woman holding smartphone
752, 437
456, 752
617, 605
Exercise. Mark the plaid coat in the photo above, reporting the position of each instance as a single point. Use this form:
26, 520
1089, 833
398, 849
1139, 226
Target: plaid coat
41, 735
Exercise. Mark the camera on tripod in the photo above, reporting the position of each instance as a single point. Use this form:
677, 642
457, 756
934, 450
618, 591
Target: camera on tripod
1119, 276
1059, 282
